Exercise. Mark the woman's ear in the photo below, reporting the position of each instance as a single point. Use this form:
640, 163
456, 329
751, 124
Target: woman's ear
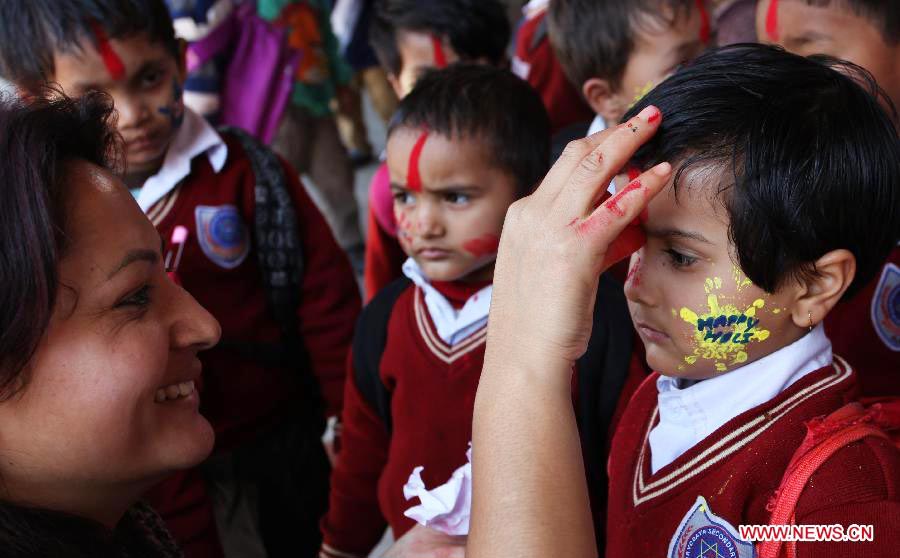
819, 292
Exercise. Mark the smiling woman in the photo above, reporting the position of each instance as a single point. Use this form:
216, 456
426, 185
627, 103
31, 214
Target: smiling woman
98, 348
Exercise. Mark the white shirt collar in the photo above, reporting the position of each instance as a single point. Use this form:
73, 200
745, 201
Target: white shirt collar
597, 125
194, 137
688, 415
452, 325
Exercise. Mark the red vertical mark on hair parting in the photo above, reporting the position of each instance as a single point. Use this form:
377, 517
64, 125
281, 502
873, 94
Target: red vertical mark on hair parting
772, 21
704, 21
440, 59
483, 245
413, 179
111, 60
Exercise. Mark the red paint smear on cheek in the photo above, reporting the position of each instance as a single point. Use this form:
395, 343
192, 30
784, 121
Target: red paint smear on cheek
772, 21
634, 274
111, 60
413, 179
440, 59
482, 246
704, 21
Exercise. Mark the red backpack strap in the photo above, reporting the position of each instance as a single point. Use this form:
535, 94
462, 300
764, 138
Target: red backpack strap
826, 436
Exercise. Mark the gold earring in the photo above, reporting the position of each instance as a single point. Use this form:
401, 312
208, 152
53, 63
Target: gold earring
809, 316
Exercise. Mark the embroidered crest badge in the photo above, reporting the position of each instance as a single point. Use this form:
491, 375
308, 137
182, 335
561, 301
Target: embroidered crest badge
703, 534
222, 235
886, 307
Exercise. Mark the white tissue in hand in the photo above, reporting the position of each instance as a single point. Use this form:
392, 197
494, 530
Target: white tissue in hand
446, 508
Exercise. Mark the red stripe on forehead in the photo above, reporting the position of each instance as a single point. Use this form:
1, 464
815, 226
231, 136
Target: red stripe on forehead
111, 60
772, 21
704, 21
440, 59
413, 179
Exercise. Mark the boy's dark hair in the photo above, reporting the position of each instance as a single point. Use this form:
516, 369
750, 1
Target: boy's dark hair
475, 28
884, 14
31, 31
594, 39
491, 104
35, 141
807, 160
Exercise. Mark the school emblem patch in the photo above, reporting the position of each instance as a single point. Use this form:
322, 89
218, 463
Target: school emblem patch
703, 534
886, 307
222, 234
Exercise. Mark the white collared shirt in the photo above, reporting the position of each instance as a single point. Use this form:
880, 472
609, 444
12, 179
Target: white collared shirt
688, 415
452, 325
194, 137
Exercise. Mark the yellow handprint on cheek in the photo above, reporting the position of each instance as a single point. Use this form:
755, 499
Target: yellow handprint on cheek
723, 332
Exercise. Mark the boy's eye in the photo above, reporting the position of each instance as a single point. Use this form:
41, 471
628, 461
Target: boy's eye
403, 198
138, 299
456, 198
151, 78
680, 260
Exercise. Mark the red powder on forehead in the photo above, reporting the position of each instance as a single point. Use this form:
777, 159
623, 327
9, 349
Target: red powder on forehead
772, 21
440, 59
704, 21
111, 60
413, 179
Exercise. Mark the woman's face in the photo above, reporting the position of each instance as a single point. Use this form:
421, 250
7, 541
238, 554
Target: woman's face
108, 399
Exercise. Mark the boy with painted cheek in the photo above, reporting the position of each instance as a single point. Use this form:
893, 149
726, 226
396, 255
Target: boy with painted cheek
198, 186
450, 202
742, 264
410, 37
464, 145
868, 34
614, 52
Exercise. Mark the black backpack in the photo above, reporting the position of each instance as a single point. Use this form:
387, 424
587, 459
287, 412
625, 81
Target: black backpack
602, 371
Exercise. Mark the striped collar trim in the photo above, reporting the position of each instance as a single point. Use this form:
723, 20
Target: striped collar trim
446, 353
644, 490
161, 209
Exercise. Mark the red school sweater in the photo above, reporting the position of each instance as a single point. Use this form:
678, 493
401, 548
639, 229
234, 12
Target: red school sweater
736, 471
866, 331
240, 396
432, 389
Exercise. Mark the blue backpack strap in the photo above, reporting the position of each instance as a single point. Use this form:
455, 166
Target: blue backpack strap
369, 340
602, 372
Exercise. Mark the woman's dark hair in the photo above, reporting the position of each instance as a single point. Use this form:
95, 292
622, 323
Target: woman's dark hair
491, 104
36, 139
475, 28
806, 159
595, 39
31, 31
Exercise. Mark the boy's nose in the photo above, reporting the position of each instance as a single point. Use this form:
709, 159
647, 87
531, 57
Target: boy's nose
131, 112
431, 222
636, 288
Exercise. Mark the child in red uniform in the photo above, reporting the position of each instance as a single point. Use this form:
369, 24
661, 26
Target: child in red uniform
614, 52
867, 329
464, 145
786, 200
409, 37
261, 384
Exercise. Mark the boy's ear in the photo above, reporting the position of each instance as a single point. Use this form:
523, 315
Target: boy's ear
818, 293
602, 99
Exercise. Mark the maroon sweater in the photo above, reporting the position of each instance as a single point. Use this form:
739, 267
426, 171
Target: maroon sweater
432, 399
738, 467
241, 395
